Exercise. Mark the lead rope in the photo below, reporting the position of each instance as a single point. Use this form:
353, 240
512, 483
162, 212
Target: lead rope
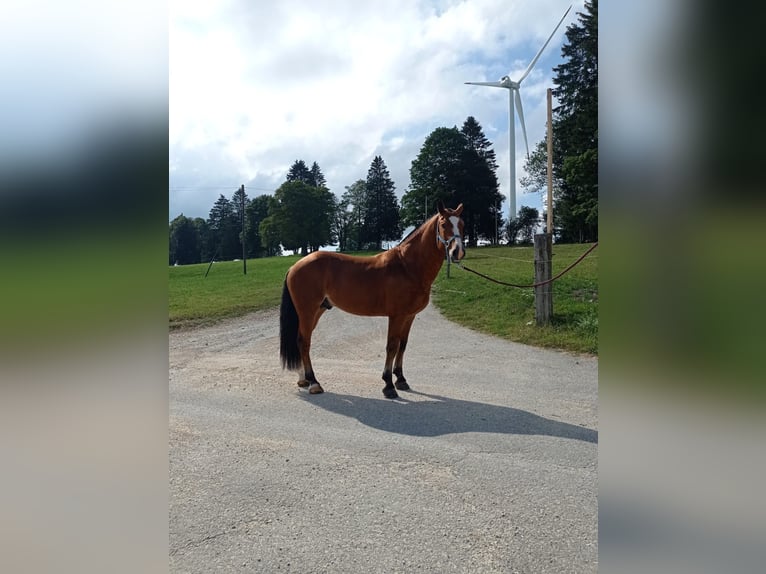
551, 280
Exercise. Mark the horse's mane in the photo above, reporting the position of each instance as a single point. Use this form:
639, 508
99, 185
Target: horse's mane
418, 231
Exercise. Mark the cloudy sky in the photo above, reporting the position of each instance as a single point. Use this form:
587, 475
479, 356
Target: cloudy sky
255, 86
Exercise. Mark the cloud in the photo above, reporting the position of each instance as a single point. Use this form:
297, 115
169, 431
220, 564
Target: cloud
255, 86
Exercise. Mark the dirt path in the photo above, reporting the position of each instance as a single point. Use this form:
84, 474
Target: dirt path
489, 465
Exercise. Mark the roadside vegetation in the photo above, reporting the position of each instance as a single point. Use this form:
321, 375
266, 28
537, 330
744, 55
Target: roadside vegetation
463, 297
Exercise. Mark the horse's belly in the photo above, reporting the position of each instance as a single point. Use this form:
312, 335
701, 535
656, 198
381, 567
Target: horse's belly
359, 305
379, 304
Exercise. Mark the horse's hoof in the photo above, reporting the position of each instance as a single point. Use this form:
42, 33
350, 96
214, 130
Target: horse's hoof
390, 393
402, 385
315, 389
303, 384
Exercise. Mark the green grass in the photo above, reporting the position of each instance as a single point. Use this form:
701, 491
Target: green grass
194, 299
509, 312
464, 298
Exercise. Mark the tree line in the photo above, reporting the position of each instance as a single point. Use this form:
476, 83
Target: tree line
453, 165
302, 215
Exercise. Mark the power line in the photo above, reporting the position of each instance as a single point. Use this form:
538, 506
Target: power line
214, 188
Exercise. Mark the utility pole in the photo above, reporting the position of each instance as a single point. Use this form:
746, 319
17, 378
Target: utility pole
244, 250
544, 242
549, 228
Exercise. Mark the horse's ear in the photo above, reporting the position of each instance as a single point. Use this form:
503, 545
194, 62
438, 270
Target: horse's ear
440, 206
459, 209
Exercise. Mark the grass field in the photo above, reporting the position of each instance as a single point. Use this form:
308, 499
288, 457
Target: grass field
510, 312
194, 299
464, 298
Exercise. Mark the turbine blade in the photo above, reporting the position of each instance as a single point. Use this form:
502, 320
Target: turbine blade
493, 84
520, 112
534, 60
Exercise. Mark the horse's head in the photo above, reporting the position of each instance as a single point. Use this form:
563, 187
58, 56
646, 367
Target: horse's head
449, 231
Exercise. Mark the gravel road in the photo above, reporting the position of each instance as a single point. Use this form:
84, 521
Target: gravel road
488, 465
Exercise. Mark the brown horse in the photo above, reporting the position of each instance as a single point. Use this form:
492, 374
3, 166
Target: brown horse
394, 284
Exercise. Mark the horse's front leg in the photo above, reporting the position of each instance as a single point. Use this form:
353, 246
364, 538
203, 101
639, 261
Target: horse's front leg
398, 330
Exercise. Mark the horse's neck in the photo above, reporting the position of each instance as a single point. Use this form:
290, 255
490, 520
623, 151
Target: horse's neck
422, 254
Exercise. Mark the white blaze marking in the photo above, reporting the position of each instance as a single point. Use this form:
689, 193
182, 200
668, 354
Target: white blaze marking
456, 232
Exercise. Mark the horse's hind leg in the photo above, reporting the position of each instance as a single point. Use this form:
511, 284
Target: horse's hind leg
306, 376
401, 382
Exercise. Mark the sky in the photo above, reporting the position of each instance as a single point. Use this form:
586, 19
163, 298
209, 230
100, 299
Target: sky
255, 86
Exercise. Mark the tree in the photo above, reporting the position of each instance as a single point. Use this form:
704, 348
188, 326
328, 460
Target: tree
354, 197
269, 234
301, 216
321, 222
483, 195
528, 218
381, 208
239, 201
256, 211
224, 230
456, 166
341, 224
512, 229
299, 172
435, 174
317, 177
206, 247
575, 134
184, 241
522, 228
476, 140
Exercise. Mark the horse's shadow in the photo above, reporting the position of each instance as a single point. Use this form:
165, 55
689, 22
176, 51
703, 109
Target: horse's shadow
443, 415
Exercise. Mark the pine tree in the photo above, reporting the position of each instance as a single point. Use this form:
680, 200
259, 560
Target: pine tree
299, 172
577, 93
223, 229
381, 211
317, 177
476, 140
206, 248
482, 195
575, 134
239, 203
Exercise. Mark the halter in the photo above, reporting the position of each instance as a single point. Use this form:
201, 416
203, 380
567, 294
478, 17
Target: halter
446, 243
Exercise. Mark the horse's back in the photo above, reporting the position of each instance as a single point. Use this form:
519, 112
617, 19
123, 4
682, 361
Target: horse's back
318, 265
360, 285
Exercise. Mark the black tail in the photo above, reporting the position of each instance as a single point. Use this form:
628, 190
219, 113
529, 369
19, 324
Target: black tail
288, 332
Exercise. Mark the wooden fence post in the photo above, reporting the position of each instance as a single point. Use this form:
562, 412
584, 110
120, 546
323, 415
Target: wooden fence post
543, 272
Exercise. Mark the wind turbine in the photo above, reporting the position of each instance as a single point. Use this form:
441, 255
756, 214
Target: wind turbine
515, 94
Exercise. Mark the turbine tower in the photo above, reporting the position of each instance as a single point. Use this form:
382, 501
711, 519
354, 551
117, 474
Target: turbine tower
514, 96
